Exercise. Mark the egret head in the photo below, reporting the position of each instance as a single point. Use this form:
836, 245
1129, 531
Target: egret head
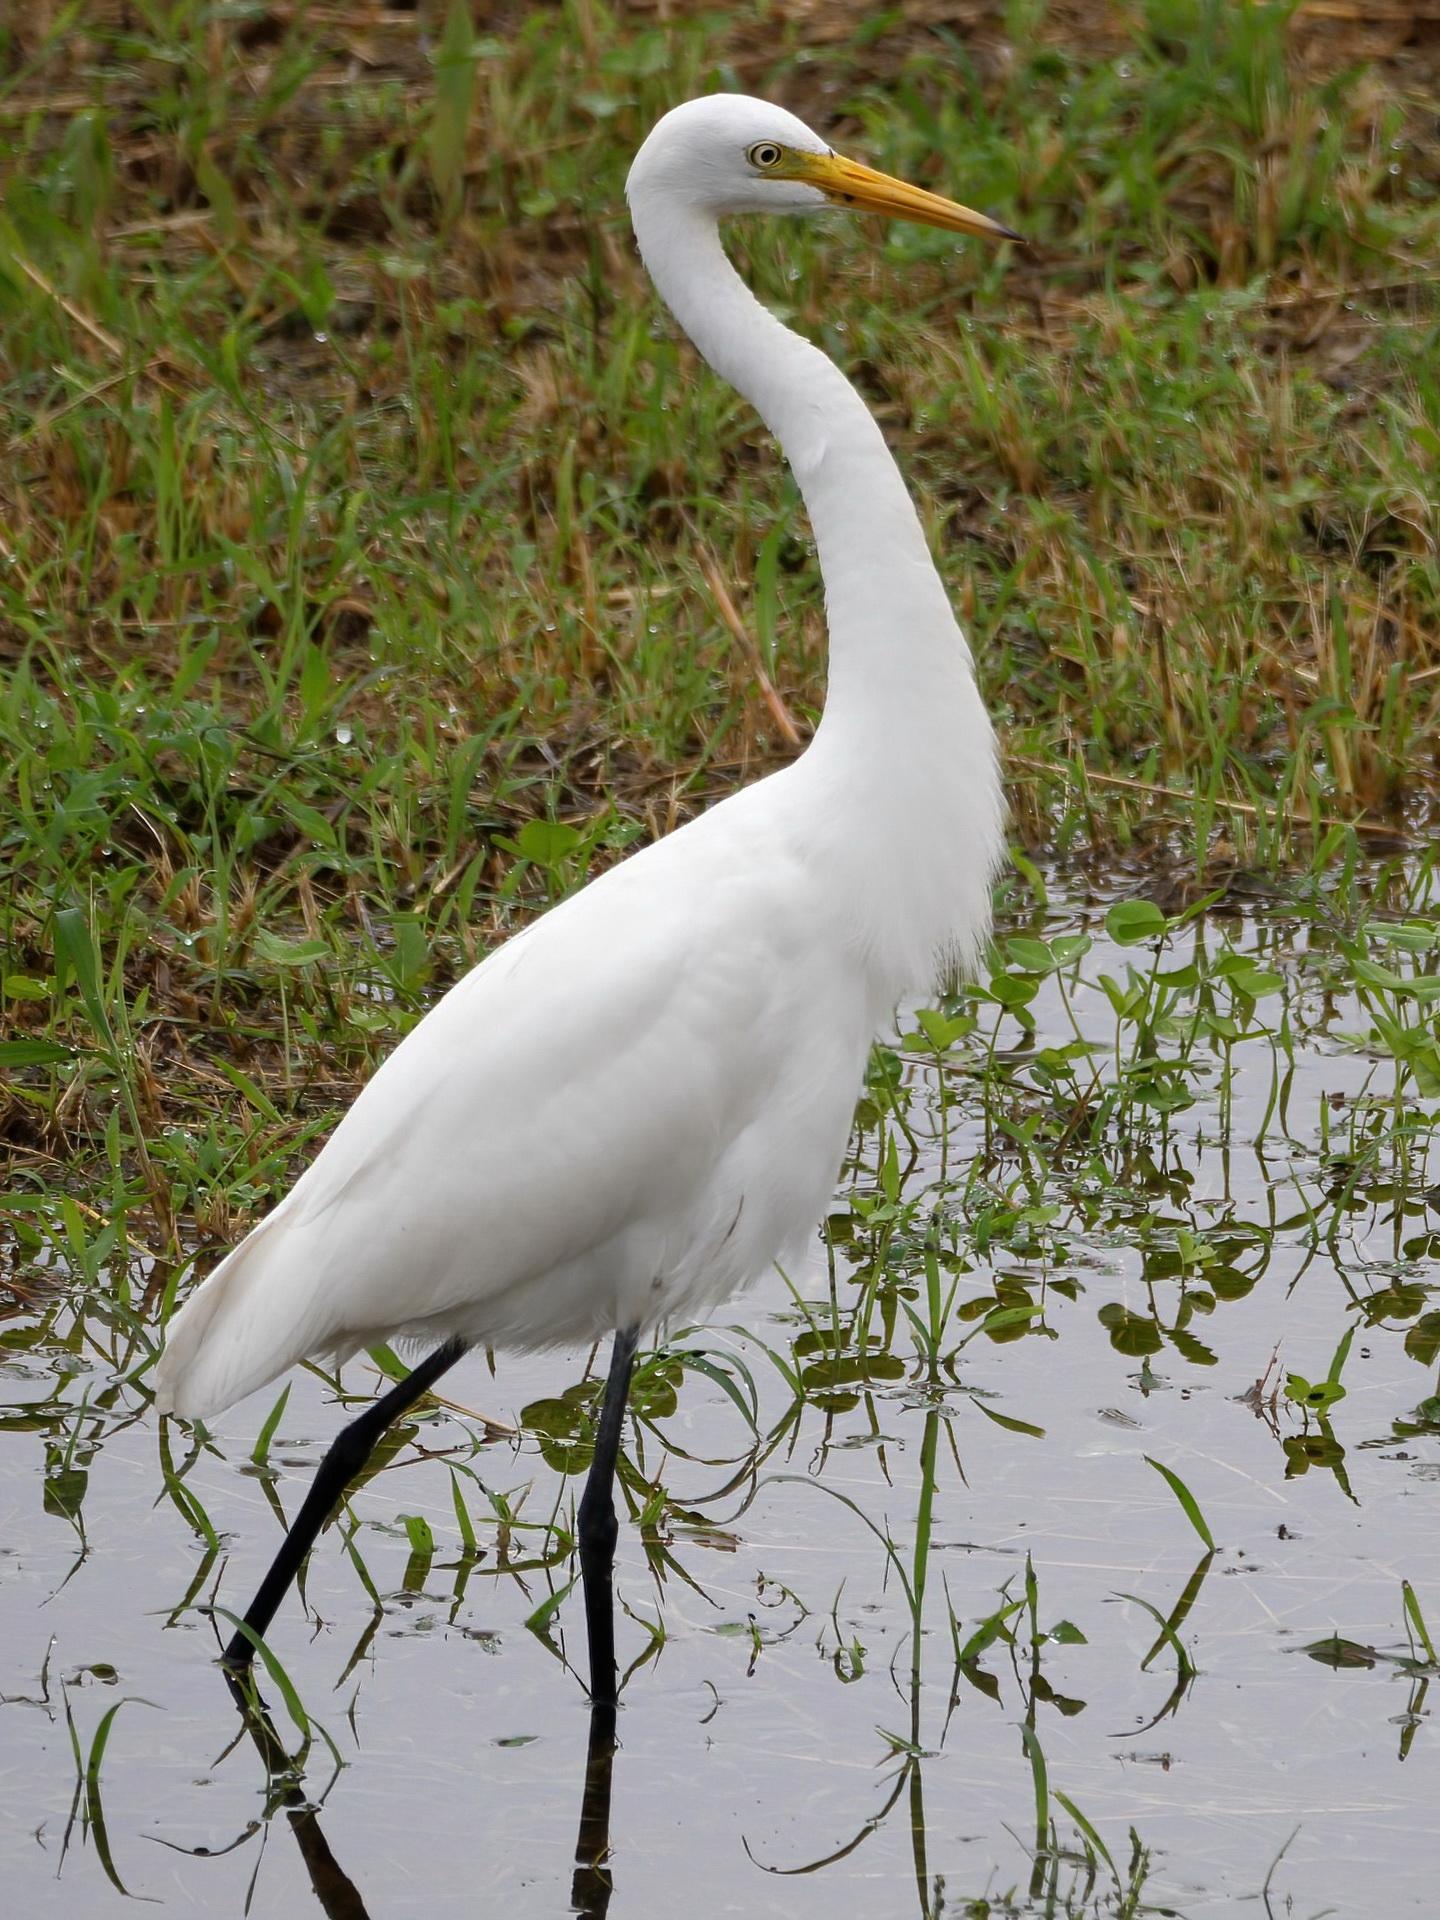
728, 153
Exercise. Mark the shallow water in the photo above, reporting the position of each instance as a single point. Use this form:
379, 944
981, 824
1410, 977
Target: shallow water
778, 1753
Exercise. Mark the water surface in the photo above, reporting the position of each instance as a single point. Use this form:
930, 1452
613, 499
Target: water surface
1128, 1282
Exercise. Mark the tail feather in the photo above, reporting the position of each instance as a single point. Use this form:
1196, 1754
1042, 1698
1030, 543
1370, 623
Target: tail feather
247, 1324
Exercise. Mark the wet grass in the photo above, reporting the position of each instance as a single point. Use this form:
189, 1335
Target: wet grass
375, 565
371, 547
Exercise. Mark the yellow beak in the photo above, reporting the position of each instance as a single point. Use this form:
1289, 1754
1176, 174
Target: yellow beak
849, 184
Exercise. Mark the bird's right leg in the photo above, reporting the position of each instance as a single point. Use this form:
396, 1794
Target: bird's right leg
349, 1451
599, 1528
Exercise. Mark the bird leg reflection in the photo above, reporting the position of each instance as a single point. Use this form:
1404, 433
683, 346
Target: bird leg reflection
334, 1889
592, 1882
349, 1451
599, 1528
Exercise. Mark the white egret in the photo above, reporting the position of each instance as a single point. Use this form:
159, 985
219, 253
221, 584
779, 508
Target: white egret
642, 1100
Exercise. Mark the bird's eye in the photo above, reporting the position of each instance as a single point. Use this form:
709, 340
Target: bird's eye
764, 153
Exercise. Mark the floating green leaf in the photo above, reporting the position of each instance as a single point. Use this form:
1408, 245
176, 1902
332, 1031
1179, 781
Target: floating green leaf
1130, 921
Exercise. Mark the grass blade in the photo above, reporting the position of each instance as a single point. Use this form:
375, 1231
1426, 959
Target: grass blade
1417, 1620
1187, 1500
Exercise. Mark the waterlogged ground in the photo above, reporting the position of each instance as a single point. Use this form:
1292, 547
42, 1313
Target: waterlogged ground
1154, 1195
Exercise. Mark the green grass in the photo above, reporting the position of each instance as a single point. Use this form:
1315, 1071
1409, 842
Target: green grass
362, 518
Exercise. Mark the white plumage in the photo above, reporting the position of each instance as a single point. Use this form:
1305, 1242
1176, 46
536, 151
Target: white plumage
638, 1103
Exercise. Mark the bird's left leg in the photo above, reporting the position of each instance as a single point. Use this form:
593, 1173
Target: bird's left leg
599, 1528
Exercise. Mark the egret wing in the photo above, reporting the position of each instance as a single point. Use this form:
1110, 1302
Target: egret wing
578, 1085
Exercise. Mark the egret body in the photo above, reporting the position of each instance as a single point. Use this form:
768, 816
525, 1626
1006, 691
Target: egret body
641, 1101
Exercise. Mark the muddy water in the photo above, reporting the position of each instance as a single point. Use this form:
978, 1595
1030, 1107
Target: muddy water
778, 1755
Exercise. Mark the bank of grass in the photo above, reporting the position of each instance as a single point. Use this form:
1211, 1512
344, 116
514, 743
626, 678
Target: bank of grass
372, 554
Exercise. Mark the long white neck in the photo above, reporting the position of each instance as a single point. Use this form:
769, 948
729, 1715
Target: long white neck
895, 647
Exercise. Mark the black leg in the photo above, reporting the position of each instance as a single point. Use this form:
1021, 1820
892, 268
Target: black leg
348, 1453
599, 1528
